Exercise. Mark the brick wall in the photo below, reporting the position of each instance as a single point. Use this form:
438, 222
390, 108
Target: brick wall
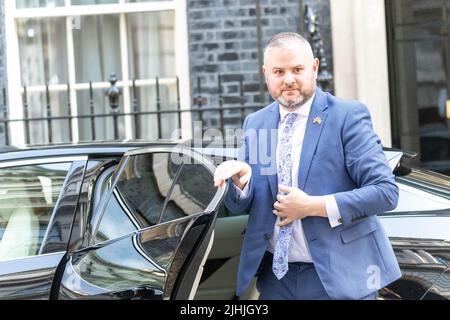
223, 40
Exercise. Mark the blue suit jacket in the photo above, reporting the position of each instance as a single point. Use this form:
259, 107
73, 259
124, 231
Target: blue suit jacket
343, 156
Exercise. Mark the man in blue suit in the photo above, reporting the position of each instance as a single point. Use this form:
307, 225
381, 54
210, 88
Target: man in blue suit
313, 177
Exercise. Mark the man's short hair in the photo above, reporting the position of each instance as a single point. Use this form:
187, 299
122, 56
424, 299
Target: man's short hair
281, 39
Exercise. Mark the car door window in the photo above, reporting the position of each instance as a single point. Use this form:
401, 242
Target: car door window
192, 191
152, 189
28, 195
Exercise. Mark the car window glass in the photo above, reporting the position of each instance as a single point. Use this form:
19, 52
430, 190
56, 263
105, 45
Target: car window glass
28, 195
152, 189
116, 221
137, 197
192, 191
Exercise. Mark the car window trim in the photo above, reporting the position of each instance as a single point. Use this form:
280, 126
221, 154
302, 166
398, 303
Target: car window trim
31, 257
121, 201
21, 163
137, 232
58, 201
169, 193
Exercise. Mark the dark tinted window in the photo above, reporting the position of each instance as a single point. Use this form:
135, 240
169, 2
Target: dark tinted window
151, 189
192, 191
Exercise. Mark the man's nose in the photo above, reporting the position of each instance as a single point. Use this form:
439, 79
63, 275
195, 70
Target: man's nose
289, 79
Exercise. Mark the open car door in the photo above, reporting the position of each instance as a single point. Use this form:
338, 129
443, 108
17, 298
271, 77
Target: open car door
153, 229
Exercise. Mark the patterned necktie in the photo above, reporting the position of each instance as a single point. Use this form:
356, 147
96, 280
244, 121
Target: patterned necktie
280, 255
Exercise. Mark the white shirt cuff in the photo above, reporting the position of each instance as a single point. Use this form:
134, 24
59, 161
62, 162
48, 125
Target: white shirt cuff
334, 216
242, 193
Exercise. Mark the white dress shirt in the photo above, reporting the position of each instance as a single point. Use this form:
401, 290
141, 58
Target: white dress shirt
298, 247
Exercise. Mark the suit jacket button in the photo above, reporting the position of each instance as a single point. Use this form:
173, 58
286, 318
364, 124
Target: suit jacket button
340, 220
266, 236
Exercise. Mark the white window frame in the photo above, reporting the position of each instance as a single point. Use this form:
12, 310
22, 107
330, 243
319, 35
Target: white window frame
70, 12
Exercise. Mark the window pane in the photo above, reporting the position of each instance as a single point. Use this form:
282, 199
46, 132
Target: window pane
97, 48
131, 1
129, 208
84, 2
152, 54
39, 3
104, 126
43, 51
144, 194
114, 223
147, 101
419, 11
193, 190
420, 68
28, 195
37, 108
151, 44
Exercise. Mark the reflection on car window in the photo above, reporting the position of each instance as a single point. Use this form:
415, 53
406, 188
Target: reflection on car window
115, 223
28, 195
192, 191
153, 189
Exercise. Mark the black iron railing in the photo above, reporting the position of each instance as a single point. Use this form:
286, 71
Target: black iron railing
199, 108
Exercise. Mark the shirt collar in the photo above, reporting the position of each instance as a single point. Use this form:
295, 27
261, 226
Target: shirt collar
303, 111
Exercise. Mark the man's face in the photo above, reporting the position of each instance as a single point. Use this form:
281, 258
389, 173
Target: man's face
291, 74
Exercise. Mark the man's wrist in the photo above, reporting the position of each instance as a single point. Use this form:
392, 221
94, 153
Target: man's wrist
319, 208
238, 183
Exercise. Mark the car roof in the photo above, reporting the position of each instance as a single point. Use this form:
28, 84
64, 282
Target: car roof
76, 149
8, 153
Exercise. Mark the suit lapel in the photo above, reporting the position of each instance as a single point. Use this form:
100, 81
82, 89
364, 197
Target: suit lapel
271, 125
314, 126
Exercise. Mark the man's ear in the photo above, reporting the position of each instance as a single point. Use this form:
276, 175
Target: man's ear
316, 65
264, 72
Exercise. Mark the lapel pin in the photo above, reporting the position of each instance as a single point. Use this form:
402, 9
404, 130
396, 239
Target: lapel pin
317, 120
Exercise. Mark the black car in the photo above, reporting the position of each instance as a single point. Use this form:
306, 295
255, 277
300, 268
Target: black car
143, 221
121, 221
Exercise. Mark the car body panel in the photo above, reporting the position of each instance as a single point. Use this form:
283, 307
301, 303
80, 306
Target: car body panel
142, 265
419, 230
29, 277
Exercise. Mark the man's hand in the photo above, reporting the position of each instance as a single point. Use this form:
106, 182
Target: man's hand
239, 171
296, 204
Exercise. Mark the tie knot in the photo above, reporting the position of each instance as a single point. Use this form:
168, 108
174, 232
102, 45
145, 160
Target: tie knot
290, 118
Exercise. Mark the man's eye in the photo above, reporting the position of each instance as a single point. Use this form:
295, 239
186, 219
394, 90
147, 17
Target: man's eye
278, 72
298, 70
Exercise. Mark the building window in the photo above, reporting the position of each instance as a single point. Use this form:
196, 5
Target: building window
419, 77
66, 44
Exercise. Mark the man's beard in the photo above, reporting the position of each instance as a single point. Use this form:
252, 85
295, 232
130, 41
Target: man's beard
294, 103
